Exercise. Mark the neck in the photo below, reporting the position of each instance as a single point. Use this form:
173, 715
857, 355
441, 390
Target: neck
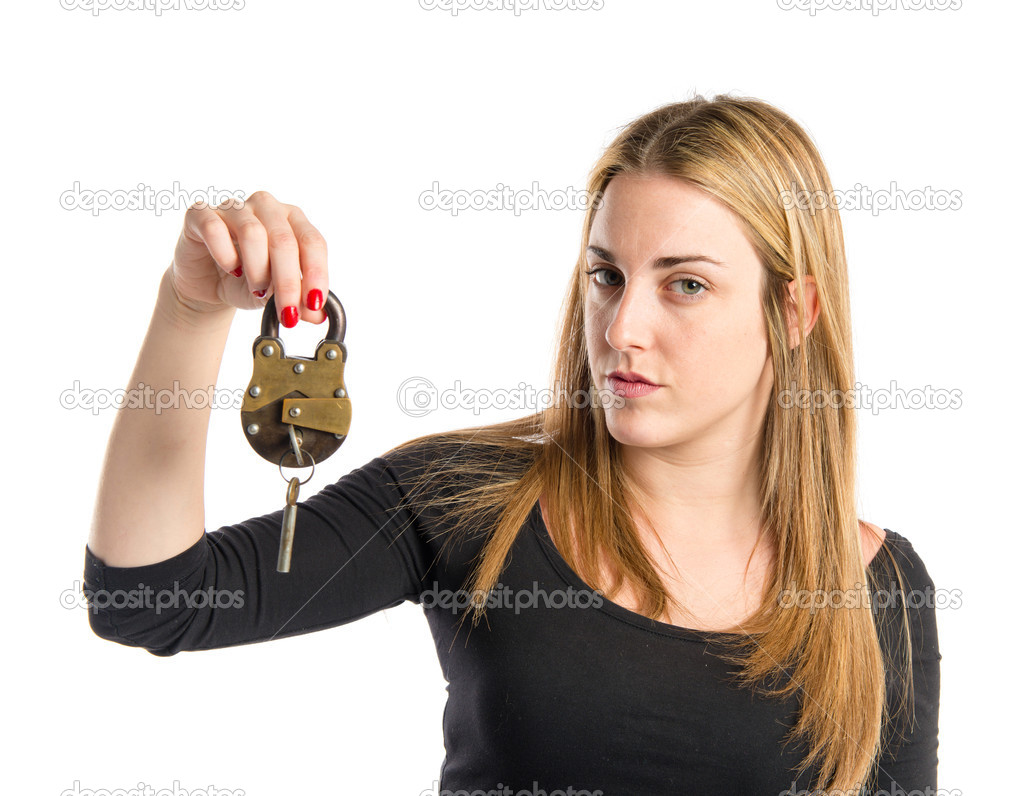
697, 499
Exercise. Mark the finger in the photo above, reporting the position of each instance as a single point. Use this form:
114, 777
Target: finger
312, 251
205, 226
285, 268
248, 233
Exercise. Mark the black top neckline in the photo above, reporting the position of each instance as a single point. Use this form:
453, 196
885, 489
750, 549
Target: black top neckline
620, 612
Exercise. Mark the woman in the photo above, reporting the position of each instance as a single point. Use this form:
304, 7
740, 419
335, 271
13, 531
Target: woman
688, 525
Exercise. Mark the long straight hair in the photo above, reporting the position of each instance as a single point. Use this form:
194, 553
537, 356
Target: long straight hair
751, 157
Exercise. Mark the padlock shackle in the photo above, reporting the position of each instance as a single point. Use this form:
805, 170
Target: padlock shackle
335, 317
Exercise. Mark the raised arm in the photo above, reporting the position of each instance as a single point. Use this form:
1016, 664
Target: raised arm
149, 506
154, 578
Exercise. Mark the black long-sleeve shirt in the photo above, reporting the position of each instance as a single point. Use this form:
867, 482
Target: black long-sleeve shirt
588, 695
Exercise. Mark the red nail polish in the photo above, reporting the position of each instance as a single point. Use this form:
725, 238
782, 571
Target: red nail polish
314, 300
237, 271
259, 293
289, 316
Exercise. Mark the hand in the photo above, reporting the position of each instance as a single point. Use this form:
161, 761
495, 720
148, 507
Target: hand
275, 247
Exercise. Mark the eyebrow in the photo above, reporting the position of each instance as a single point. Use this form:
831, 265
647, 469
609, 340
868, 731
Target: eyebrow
660, 262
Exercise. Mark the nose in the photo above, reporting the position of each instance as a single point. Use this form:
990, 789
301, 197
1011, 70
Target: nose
630, 317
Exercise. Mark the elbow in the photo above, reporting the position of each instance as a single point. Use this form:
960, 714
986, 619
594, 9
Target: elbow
130, 606
102, 626
161, 642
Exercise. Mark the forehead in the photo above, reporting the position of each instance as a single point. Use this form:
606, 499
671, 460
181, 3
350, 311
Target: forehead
642, 217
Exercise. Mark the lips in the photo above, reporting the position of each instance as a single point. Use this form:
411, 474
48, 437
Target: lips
630, 376
631, 389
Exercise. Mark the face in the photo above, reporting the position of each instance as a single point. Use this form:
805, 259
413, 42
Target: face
693, 327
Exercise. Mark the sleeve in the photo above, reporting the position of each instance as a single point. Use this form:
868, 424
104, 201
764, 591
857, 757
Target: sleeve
909, 759
355, 553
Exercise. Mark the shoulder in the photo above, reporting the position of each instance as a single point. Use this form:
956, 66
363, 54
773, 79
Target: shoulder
460, 451
453, 466
885, 551
897, 553
900, 581
871, 539
897, 570
905, 602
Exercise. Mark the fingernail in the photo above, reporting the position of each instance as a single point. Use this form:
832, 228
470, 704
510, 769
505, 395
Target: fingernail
259, 293
289, 316
314, 300
237, 271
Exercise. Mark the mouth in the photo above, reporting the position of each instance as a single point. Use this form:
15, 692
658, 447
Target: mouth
630, 385
630, 377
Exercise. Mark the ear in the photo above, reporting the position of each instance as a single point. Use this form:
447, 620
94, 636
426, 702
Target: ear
811, 309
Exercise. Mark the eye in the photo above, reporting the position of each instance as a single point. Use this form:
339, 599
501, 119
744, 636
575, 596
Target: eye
604, 271
688, 282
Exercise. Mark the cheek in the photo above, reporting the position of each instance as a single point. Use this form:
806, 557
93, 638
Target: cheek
753, 337
741, 350
594, 328
716, 357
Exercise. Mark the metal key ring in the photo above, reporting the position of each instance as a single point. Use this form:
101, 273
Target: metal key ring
280, 468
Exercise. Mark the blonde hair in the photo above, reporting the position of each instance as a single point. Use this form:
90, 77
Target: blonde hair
747, 155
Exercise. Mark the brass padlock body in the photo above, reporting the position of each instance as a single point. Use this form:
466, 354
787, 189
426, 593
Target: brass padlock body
316, 390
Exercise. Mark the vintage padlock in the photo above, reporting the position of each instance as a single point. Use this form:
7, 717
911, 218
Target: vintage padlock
298, 397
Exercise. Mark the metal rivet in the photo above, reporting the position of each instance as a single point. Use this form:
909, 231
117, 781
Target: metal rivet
254, 391
299, 367
252, 428
339, 393
339, 436
332, 353
268, 350
294, 411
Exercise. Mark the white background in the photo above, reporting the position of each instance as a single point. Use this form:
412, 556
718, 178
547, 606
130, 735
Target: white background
351, 111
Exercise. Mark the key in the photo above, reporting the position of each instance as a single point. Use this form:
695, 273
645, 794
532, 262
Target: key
288, 527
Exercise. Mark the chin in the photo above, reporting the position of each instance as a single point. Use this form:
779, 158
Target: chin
638, 432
